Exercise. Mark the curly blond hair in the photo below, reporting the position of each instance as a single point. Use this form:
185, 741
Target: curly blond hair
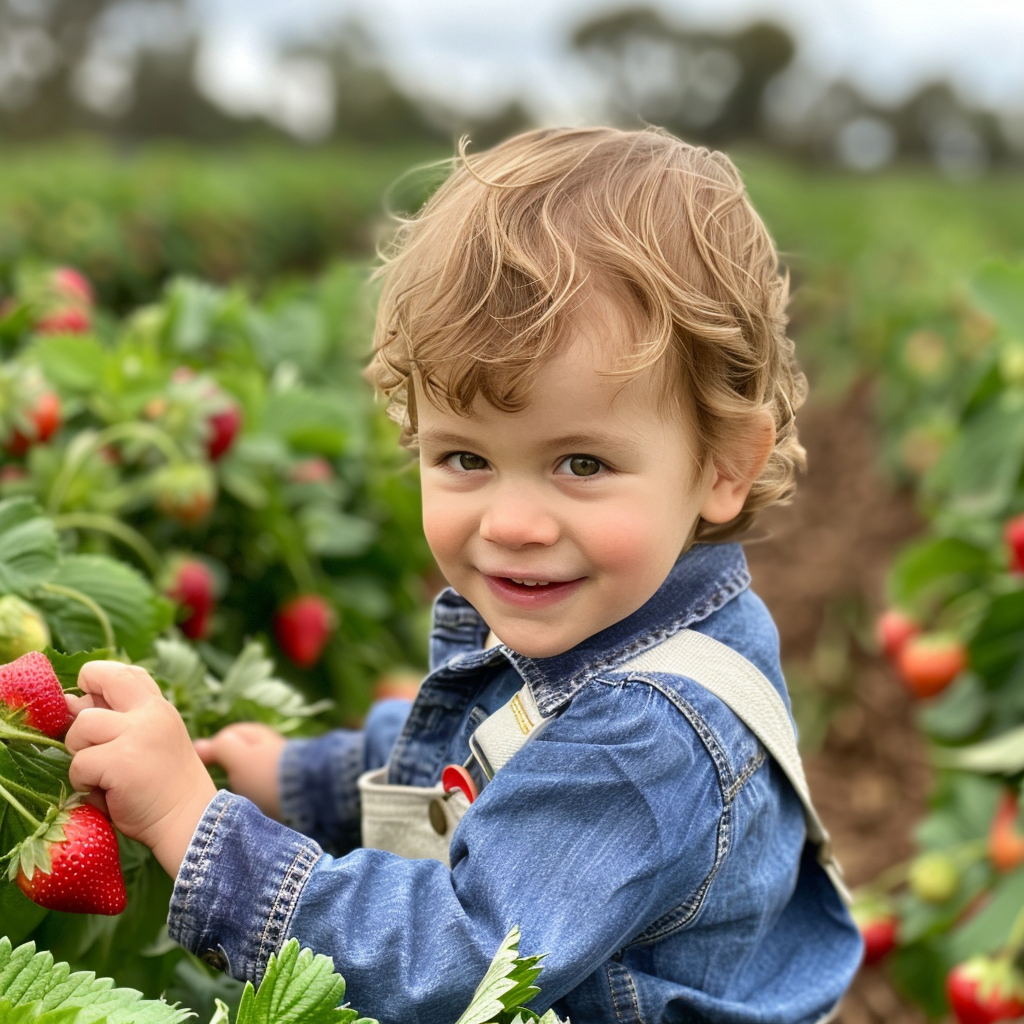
487, 281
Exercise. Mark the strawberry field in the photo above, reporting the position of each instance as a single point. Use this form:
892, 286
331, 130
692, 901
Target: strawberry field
195, 478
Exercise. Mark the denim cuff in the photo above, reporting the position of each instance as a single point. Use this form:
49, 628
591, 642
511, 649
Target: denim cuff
237, 887
317, 784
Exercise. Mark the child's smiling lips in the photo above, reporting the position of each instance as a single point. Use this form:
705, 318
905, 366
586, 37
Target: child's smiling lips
531, 590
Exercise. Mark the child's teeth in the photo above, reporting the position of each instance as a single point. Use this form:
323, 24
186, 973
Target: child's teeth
529, 583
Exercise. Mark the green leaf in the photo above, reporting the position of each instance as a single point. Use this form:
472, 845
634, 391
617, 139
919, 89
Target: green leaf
194, 306
136, 611
1004, 754
41, 771
74, 364
507, 984
978, 473
34, 1013
935, 570
996, 651
28, 546
299, 987
67, 666
957, 712
999, 291
332, 533
312, 421
988, 930
31, 979
250, 679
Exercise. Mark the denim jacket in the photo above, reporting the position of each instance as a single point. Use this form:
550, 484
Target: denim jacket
645, 842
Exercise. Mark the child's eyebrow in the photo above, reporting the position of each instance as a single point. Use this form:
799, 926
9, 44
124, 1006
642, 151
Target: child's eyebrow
601, 441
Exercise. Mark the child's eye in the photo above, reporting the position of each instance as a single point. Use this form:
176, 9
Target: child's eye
581, 465
465, 461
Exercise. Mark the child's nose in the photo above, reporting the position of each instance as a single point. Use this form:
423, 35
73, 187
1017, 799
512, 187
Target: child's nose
516, 517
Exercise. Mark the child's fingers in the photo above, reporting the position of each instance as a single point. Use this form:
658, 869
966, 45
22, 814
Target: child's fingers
93, 726
115, 685
87, 769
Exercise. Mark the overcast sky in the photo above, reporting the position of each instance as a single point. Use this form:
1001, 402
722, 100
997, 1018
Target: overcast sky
477, 53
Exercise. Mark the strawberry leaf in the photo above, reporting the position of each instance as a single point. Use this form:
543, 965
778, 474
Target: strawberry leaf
31, 980
508, 983
43, 773
136, 612
35, 1014
299, 987
67, 666
28, 546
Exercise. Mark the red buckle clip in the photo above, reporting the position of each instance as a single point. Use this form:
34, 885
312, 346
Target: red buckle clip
454, 777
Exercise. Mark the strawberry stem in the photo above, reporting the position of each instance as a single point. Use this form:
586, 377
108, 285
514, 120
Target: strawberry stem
124, 533
13, 801
29, 794
158, 438
76, 595
9, 732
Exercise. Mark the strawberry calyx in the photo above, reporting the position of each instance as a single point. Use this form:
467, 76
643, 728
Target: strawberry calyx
33, 854
985, 988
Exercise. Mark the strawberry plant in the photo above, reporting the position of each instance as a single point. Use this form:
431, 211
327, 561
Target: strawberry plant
959, 899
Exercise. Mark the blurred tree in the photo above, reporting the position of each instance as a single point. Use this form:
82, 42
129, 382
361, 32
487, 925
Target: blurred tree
702, 85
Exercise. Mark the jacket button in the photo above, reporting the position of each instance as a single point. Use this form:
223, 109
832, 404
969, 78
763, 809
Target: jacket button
438, 819
214, 958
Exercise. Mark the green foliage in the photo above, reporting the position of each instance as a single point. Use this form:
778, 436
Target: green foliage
34, 988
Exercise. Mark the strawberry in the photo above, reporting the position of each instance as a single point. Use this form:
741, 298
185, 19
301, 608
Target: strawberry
1005, 843
314, 470
878, 925
65, 320
185, 492
72, 864
933, 877
985, 989
302, 627
30, 683
223, 429
1013, 533
893, 629
22, 628
192, 587
928, 663
72, 285
45, 417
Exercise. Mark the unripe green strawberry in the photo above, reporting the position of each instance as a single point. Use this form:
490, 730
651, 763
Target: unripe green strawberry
22, 628
73, 864
185, 491
29, 683
934, 877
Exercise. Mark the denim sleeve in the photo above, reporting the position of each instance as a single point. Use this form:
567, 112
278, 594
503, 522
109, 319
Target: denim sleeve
607, 822
317, 777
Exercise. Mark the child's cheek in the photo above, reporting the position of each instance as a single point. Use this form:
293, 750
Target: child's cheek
443, 529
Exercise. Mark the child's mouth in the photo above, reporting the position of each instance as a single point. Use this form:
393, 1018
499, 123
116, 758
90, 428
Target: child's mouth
531, 592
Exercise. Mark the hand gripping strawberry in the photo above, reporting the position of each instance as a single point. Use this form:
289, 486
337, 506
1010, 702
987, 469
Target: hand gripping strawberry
71, 863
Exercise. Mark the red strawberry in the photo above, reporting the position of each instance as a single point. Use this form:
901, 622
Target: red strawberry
893, 629
985, 989
314, 470
74, 865
302, 627
67, 320
1005, 843
73, 285
29, 682
1013, 532
224, 427
879, 938
192, 587
927, 664
46, 418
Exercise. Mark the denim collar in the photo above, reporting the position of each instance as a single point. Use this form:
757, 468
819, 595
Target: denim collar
701, 581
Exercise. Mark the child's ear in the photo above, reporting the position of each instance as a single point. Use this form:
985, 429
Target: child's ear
729, 490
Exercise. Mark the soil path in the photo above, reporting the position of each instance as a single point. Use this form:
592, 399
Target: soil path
821, 569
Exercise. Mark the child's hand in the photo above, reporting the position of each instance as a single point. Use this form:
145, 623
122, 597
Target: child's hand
131, 746
249, 752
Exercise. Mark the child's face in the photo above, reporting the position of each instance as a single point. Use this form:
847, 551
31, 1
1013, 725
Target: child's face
560, 519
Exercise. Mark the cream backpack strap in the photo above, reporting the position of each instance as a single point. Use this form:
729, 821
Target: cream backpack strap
751, 697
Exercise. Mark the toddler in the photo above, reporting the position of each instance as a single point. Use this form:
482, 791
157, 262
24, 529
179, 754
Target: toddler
583, 337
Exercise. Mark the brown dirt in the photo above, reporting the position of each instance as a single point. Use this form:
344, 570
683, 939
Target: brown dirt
821, 569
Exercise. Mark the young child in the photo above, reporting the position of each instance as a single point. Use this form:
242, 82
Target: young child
583, 336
